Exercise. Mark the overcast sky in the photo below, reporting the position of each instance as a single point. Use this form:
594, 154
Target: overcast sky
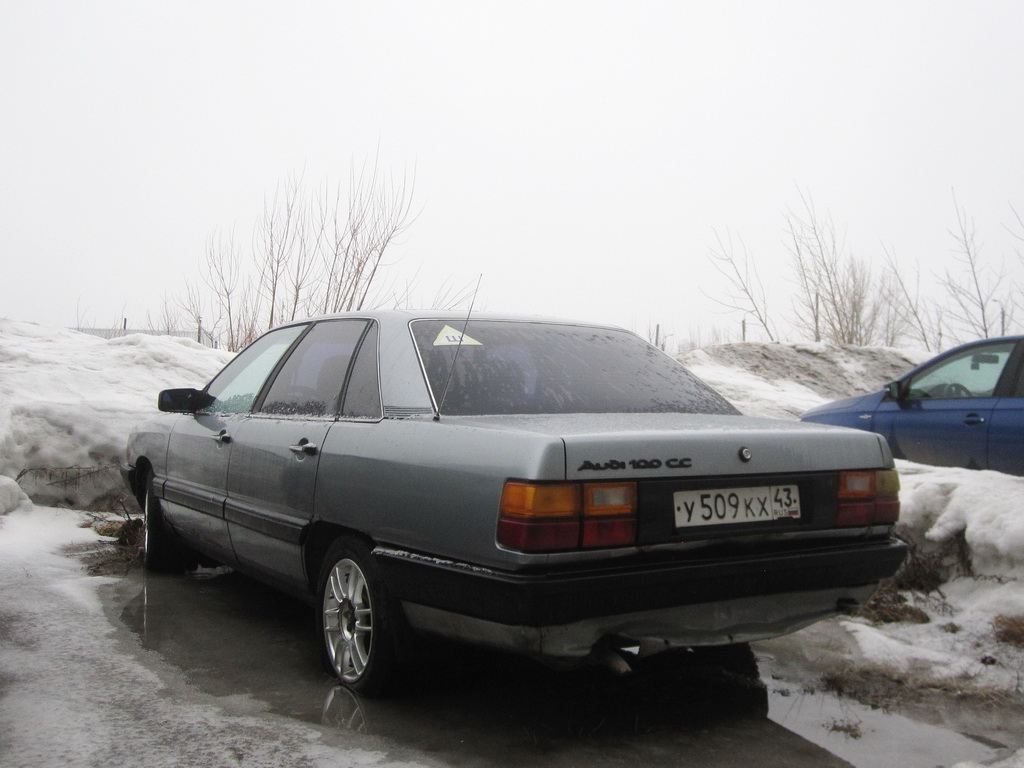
579, 155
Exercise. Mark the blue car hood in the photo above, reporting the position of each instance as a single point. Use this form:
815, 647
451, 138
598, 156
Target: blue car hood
867, 402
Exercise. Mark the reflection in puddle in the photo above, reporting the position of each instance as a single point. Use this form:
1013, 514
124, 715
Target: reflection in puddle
342, 710
870, 738
466, 688
233, 637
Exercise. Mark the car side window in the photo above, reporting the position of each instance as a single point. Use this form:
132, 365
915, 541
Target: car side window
310, 381
974, 372
236, 387
362, 396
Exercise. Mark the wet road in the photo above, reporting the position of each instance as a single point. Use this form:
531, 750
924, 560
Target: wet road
232, 637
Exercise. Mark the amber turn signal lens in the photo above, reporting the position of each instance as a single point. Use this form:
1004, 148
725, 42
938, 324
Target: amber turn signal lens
887, 483
529, 500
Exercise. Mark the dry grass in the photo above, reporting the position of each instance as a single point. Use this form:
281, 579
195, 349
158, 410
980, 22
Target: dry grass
1009, 630
928, 565
117, 556
884, 688
846, 727
888, 606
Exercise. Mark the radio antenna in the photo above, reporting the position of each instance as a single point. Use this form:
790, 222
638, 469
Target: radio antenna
451, 370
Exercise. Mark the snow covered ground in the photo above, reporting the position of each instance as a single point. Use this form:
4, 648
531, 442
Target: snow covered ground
68, 401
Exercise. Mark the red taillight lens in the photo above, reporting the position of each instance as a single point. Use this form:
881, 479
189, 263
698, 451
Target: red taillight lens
868, 498
538, 535
539, 517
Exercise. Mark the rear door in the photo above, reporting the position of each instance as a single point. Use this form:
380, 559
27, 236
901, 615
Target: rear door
276, 452
1006, 430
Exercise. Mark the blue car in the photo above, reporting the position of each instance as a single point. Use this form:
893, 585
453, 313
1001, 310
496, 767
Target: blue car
964, 408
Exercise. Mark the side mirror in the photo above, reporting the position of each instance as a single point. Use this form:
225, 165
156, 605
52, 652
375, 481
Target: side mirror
183, 400
896, 390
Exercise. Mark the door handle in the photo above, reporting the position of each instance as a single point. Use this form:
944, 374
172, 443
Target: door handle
221, 437
304, 447
972, 418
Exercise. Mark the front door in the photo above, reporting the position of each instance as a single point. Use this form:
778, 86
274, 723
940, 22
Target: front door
201, 446
944, 415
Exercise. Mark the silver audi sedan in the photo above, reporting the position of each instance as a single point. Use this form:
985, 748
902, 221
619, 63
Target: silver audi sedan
551, 488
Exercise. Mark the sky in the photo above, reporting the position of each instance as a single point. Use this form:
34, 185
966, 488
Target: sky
581, 157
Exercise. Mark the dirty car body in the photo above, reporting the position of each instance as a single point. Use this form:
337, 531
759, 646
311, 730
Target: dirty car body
551, 488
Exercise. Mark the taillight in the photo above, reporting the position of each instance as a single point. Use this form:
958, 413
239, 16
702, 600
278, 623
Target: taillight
868, 498
609, 514
548, 517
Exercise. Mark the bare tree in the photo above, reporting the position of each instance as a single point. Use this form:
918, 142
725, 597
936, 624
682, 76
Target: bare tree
838, 298
235, 305
922, 319
276, 251
982, 300
168, 321
748, 294
352, 243
310, 254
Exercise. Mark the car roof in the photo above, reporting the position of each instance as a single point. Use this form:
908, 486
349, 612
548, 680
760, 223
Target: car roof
390, 316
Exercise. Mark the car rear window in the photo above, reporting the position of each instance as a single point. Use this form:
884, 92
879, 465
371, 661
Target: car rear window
506, 367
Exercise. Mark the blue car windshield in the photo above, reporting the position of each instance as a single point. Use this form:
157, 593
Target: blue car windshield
508, 367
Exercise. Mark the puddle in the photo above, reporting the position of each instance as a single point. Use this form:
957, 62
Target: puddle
871, 738
232, 637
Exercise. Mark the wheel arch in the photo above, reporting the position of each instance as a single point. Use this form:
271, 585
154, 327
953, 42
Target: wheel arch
319, 538
137, 478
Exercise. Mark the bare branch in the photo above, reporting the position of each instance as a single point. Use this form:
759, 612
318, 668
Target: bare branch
748, 294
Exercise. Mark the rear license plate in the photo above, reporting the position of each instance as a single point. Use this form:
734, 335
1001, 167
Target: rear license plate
736, 505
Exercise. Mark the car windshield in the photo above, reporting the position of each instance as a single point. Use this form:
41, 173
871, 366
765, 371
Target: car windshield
507, 367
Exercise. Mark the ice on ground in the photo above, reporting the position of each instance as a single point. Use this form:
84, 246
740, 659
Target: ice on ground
73, 697
1014, 761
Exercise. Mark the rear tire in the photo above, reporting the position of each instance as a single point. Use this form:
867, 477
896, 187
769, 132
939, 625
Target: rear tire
161, 550
358, 620
737, 659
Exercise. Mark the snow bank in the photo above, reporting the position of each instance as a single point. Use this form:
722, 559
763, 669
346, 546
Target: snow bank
69, 400
11, 496
784, 380
939, 504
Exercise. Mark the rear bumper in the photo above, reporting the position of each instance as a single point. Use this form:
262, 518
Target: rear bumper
647, 632
545, 599
653, 606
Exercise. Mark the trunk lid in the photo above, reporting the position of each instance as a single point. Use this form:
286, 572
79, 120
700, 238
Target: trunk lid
672, 445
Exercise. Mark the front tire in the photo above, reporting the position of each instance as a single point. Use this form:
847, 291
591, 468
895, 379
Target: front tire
358, 620
161, 550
